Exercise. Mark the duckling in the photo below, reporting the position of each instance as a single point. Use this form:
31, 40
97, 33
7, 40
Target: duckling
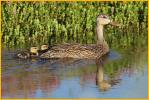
44, 47
23, 55
33, 53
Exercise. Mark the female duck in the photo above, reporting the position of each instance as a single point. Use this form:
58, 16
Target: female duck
90, 51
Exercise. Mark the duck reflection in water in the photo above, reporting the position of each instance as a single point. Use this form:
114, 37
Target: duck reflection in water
101, 82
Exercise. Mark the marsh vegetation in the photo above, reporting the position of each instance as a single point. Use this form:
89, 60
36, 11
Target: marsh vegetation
35, 23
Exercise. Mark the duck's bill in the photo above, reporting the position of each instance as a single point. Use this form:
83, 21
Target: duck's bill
114, 24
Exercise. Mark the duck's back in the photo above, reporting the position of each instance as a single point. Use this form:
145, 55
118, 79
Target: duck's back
91, 51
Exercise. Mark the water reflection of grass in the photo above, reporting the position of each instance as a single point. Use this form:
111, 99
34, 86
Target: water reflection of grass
129, 64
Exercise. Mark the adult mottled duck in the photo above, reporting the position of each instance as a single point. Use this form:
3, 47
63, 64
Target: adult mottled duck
89, 51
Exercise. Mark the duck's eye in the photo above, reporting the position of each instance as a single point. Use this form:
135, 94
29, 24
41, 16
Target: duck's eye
105, 17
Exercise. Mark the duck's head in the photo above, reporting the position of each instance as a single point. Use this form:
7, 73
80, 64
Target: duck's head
34, 49
44, 47
103, 19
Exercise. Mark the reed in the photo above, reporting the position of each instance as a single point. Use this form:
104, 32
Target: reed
35, 23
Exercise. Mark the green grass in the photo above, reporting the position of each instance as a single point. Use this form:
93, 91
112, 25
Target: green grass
36, 23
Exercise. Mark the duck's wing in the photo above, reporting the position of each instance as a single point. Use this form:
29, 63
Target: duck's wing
71, 51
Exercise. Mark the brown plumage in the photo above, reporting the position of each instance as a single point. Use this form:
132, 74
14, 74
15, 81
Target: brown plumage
89, 51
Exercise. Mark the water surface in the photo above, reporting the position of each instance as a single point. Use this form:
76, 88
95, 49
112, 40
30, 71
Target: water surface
117, 75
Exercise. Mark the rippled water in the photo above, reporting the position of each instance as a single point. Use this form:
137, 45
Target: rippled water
117, 75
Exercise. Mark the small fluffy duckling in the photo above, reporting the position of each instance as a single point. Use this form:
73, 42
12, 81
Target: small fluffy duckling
23, 55
33, 53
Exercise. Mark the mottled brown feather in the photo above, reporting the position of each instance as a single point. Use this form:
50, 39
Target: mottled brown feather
89, 51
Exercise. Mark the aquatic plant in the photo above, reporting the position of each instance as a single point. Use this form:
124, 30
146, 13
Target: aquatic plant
35, 23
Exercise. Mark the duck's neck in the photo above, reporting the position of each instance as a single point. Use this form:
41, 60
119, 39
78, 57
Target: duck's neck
99, 30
